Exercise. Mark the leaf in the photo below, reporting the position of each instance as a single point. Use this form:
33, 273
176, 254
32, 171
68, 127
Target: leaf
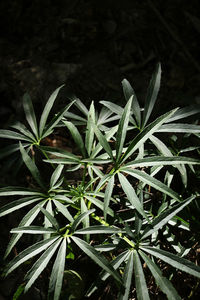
108, 194
63, 210
52, 124
185, 112
164, 284
60, 153
115, 263
152, 93
103, 141
47, 109
21, 128
33, 230
31, 166
146, 133
180, 127
40, 264
140, 283
76, 137
98, 229
131, 195
89, 136
55, 176
97, 257
127, 278
26, 221
99, 204
51, 219
164, 217
122, 129
57, 273
30, 114
15, 190
79, 219
17, 204
158, 185
27, 254
174, 260
128, 92
161, 160
9, 134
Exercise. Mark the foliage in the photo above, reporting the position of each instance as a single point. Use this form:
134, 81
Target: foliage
122, 208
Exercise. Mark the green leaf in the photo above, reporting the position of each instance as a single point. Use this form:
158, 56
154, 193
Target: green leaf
30, 114
158, 185
164, 217
115, 263
9, 134
89, 136
40, 264
140, 283
52, 124
164, 284
47, 109
185, 112
103, 141
99, 204
55, 176
128, 92
97, 257
131, 195
26, 221
31, 166
17, 204
174, 260
63, 210
122, 129
56, 279
76, 137
21, 128
180, 127
98, 229
152, 93
28, 253
127, 278
146, 133
108, 194
51, 219
15, 190
33, 230
160, 160
60, 153
79, 219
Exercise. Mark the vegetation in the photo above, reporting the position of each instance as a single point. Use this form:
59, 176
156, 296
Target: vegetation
114, 198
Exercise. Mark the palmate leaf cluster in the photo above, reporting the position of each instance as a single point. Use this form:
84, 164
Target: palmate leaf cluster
120, 204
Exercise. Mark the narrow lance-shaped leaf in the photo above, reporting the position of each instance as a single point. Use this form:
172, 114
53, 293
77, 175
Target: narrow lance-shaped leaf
56, 279
16, 190
103, 141
131, 195
31, 166
146, 133
51, 219
40, 265
108, 194
155, 183
122, 129
63, 210
127, 278
152, 93
56, 175
97, 257
185, 112
21, 128
180, 127
163, 218
27, 254
47, 109
164, 284
76, 136
140, 282
33, 230
174, 260
128, 92
30, 114
89, 137
79, 219
98, 229
9, 134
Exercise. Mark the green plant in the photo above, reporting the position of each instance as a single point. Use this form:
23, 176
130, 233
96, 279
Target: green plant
120, 211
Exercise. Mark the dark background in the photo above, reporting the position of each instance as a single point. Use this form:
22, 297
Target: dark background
91, 46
